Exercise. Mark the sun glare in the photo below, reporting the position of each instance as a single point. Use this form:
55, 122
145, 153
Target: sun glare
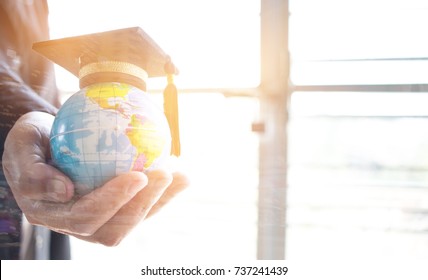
214, 43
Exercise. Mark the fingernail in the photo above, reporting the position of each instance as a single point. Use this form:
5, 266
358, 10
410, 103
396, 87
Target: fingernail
135, 186
56, 189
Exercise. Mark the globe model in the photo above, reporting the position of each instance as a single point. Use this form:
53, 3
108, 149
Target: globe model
105, 130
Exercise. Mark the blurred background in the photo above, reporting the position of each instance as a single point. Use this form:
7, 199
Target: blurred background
304, 126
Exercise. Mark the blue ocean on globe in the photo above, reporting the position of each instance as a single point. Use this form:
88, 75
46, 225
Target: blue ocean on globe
105, 130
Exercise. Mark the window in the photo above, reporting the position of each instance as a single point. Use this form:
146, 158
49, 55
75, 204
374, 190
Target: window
358, 165
357, 150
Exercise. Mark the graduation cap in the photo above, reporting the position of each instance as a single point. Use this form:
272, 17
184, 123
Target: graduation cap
125, 55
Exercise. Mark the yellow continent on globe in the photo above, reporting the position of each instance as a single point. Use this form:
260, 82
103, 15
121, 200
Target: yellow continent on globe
107, 96
142, 134
149, 149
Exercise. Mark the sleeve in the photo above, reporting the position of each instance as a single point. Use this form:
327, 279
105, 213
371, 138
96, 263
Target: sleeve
17, 86
16, 99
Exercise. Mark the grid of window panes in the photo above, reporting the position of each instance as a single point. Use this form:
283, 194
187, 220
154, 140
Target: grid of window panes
358, 155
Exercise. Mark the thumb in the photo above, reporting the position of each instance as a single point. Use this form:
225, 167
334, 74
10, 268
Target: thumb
44, 182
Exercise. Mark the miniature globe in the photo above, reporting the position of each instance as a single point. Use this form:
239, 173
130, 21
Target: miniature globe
105, 130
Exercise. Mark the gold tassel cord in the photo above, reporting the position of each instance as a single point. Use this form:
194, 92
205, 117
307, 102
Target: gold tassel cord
170, 95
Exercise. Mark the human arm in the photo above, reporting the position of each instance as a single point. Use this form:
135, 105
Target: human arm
46, 196
28, 103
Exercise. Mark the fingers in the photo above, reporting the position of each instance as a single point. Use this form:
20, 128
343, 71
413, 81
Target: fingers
136, 209
44, 182
109, 213
179, 183
86, 215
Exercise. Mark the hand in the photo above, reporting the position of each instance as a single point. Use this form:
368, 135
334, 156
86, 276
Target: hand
46, 196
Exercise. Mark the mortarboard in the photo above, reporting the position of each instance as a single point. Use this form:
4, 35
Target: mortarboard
127, 55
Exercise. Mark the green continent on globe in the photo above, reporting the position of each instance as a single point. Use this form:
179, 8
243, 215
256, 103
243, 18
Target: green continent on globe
105, 130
